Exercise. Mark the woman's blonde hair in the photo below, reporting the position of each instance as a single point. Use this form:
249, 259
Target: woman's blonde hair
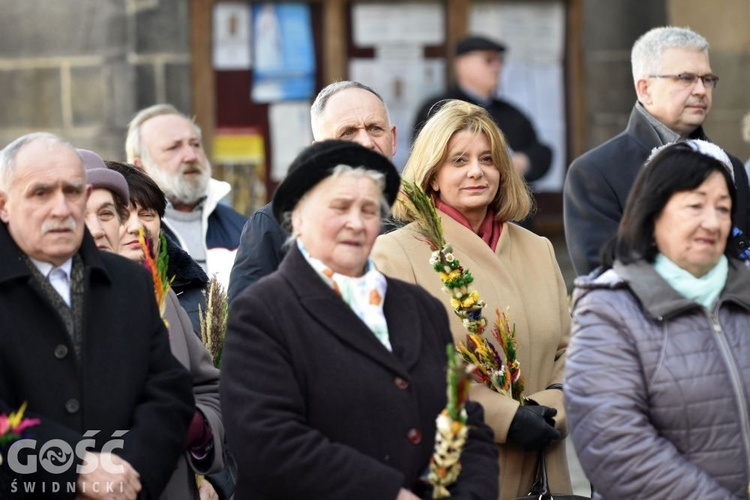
513, 201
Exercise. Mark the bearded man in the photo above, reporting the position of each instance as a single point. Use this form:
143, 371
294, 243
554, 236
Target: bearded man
167, 145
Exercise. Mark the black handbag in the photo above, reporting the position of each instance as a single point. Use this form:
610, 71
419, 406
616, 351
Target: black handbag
540, 488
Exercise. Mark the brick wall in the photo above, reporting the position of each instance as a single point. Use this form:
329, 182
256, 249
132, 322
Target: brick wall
82, 68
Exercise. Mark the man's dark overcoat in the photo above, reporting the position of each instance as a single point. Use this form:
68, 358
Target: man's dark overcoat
127, 378
260, 251
598, 183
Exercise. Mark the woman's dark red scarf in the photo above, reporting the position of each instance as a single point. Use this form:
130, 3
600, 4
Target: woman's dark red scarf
489, 230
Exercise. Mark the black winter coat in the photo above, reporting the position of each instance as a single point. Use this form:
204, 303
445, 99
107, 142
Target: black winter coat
259, 253
127, 379
516, 127
316, 407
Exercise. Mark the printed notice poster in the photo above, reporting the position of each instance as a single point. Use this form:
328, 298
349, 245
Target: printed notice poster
283, 52
533, 75
231, 36
404, 80
416, 23
400, 72
289, 123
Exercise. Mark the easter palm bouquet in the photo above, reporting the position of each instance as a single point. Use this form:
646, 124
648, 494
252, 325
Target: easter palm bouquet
500, 371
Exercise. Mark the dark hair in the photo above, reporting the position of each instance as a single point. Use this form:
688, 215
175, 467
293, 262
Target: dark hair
676, 168
143, 189
121, 205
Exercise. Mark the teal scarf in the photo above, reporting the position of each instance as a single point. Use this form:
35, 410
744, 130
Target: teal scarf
704, 290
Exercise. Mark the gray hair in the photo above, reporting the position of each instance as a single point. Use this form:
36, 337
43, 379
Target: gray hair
9, 153
646, 56
133, 143
319, 104
340, 171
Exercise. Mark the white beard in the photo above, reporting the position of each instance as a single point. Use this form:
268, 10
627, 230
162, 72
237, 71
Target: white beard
175, 187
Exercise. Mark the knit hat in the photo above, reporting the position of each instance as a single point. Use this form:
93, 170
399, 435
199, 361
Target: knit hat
316, 162
99, 176
473, 43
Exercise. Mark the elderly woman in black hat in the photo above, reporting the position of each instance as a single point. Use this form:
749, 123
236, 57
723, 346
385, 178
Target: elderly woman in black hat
333, 374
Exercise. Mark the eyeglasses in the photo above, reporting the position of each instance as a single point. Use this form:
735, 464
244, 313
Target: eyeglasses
688, 79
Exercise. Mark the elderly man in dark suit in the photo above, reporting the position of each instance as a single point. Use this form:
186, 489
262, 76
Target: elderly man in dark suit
81, 342
674, 84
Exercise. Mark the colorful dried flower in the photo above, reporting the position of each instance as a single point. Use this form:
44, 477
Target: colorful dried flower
157, 266
500, 373
483, 360
11, 426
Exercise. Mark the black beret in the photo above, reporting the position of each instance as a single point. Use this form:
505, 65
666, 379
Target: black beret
316, 162
472, 43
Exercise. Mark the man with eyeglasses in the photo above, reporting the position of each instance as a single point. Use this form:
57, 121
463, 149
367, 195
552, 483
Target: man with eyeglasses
347, 110
477, 64
674, 84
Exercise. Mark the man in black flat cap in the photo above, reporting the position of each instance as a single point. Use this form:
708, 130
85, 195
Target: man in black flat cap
477, 65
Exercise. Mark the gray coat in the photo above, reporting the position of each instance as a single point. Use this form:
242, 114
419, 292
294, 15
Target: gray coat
191, 353
657, 386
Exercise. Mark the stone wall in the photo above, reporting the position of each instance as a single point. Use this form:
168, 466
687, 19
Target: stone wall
82, 68
612, 26
724, 24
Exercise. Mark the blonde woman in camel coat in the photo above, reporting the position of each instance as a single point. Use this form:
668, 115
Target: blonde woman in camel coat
461, 160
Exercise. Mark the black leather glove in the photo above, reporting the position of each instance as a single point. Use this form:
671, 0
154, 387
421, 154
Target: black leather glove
533, 427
